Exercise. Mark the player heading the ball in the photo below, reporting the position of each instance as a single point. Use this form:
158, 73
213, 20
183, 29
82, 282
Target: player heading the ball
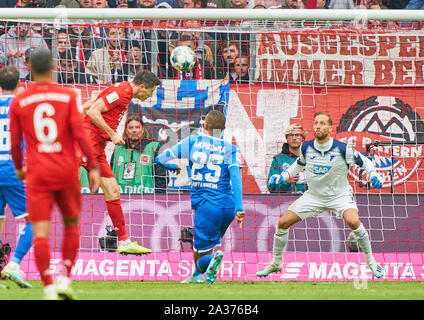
49, 117
326, 163
216, 191
103, 115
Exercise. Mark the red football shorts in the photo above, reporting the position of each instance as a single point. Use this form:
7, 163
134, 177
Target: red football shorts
40, 202
100, 155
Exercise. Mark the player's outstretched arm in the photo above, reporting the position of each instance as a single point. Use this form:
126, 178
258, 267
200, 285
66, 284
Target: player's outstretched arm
178, 151
291, 172
162, 161
235, 177
368, 166
95, 114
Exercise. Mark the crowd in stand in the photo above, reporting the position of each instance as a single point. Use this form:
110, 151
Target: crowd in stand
100, 52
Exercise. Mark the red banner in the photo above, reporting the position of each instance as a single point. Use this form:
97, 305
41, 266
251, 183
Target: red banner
341, 58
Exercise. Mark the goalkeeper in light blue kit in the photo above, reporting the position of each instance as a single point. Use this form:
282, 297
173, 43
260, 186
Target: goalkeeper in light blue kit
12, 190
216, 191
326, 163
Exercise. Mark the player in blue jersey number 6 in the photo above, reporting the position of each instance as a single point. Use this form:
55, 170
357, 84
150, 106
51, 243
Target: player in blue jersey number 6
326, 162
216, 191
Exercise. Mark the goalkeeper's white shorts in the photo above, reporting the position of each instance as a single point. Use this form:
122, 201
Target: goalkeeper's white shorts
309, 205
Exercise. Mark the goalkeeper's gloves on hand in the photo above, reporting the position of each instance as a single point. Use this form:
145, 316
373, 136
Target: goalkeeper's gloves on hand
276, 179
376, 181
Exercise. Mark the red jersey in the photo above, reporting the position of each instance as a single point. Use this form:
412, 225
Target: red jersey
44, 114
116, 98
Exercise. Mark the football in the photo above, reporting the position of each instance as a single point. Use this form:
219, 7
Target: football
183, 58
351, 243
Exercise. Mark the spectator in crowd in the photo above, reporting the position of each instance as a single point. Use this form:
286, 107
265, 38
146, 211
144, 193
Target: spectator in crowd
241, 68
201, 70
203, 50
71, 70
135, 60
27, 62
230, 50
100, 4
295, 135
146, 3
62, 41
293, 4
341, 4
191, 4
167, 4
322, 4
121, 3
35, 4
133, 163
106, 64
399, 4
371, 5
239, 4
218, 4
15, 42
76, 3
83, 42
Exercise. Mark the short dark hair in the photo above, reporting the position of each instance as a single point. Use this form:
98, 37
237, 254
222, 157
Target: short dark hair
322, 113
146, 77
216, 120
9, 78
41, 60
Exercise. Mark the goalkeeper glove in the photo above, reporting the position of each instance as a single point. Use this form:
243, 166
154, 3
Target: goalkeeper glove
277, 178
376, 181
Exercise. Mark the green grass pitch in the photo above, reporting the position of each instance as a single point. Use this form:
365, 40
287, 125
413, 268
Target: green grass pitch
227, 290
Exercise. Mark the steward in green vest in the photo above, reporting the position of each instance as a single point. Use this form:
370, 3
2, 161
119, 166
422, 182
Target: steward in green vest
133, 164
295, 135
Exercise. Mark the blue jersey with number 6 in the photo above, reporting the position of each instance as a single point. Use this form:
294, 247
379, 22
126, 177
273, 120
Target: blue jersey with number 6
7, 169
209, 159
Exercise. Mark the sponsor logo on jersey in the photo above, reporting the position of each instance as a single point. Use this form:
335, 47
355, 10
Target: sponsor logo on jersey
385, 119
321, 170
112, 97
145, 159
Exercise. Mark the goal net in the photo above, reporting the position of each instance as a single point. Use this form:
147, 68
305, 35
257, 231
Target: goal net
266, 70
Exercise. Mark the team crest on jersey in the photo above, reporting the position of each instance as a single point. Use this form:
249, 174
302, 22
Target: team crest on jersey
384, 119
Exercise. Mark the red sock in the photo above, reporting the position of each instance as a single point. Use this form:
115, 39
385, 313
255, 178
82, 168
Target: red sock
70, 245
117, 216
42, 259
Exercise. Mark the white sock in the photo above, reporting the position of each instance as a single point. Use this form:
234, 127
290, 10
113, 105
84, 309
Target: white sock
125, 242
364, 243
49, 289
65, 280
281, 237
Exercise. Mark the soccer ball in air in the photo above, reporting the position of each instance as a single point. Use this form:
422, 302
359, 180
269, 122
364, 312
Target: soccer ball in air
183, 58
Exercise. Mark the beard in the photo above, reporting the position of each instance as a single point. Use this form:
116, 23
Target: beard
321, 135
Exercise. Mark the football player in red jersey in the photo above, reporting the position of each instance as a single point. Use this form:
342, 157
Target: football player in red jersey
50, 118
103, 116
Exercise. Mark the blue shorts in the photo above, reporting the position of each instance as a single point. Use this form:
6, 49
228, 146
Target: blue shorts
210, 224
14, 196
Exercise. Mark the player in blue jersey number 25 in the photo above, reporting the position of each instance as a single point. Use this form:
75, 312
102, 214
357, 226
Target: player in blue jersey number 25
216, 191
